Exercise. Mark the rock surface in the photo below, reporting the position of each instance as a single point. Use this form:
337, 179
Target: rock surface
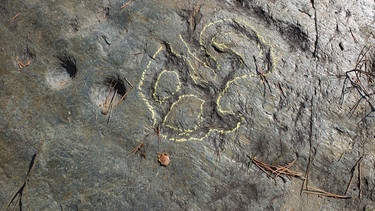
218, 85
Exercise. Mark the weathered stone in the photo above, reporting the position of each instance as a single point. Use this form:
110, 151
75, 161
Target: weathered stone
82, 84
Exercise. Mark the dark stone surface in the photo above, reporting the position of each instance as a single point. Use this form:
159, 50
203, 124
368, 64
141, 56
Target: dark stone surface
216, 82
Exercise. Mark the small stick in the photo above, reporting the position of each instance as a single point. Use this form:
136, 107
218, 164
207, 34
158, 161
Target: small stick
20, 192
280, 88
218, 156
126, 93
20, 64
305, 183
157, 131
256, 162
134, 150
111, 106
27, 197
350, 180
126, 5
14, 18
320, 192
276, 171
352, 172
283, 169
354, 38
262, 77
359, 178
107, 103
307, 173
27, 63
96, 116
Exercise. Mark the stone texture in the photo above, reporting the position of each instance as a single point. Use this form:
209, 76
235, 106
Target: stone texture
216, 82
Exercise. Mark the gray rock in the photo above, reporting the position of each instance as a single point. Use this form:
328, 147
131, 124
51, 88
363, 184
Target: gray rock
214, 84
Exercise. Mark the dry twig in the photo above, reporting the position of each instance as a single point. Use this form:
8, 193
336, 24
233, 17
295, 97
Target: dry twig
262, 76
320, 192
277, 171
137, 148
157, 131
14, 17
115, 86
358, 163
278, 85
360, 79
23, 187
305, 183
126, 4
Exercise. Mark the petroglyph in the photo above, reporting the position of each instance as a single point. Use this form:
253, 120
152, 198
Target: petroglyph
167, 84
188, 89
